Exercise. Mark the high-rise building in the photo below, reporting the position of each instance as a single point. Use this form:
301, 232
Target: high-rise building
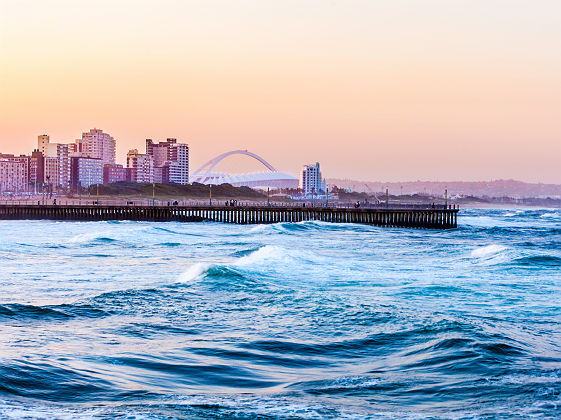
171, 160
62, 153
75, 147
58, 151
43, 143
13, 176
311, 181
36, 168
141, 166
52, 172
85, 171
99, 145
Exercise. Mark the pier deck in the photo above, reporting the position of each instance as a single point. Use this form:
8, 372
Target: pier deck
443, 217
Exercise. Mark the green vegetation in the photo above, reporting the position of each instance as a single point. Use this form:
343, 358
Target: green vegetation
175, 191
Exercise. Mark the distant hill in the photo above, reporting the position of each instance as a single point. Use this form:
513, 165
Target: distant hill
496, 188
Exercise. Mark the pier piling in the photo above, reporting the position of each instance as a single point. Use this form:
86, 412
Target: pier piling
444, 217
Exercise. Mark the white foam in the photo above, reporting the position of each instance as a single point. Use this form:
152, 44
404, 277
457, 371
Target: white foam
514, 212
265, 259
258, 228
487, 251
85, 237
265, 406
352, 382
266, 254
194, 272
484, 221
521, 379
14, 411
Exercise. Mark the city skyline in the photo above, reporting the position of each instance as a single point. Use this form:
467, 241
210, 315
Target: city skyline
123, 162
60, 167
373, 90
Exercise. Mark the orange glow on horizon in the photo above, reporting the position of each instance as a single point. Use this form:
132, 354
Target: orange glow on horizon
373, 90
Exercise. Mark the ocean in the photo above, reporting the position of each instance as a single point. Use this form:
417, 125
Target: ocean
137, 320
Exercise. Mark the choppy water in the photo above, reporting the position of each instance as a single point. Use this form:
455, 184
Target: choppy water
312, 320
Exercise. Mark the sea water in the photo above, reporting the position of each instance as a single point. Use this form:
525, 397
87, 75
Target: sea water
300, 320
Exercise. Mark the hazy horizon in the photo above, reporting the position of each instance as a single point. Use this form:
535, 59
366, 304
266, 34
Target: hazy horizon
372, 90
436, 181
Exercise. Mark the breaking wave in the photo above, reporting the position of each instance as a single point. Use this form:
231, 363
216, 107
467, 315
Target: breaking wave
289, 320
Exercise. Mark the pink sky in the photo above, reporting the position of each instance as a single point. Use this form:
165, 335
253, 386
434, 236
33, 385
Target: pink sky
374, 90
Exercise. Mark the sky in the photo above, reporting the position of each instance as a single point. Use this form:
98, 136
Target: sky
376, 90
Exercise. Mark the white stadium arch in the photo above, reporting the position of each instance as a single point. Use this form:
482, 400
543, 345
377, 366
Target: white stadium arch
271, 178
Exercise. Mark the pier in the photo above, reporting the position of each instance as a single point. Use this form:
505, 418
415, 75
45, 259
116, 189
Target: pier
441, 217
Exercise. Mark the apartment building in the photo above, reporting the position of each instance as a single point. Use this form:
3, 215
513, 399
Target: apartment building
115, 173
311, 181
85, 171
171, 160
13, 175
141, 166
99, 145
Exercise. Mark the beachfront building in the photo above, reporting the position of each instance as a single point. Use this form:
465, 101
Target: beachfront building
22, 159
61, 152
170, 159
85, 171
52, 174
75, 147
13, 175
115, 173
97, 144
36, 169
141, 166
43, 142
311, 181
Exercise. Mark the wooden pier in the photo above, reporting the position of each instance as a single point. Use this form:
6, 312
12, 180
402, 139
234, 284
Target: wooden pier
443, 217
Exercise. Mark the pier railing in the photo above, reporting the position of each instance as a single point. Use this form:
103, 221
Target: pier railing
145, 202
441, 217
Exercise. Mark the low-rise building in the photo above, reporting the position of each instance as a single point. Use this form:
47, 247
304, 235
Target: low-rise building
161, 174
12, 176
115, 173
24, 160
85, 171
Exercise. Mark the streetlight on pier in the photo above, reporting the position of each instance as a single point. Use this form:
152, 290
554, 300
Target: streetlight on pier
313, 196
387, 197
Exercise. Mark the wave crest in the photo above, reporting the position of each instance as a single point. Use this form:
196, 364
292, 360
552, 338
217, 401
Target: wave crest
488, 251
